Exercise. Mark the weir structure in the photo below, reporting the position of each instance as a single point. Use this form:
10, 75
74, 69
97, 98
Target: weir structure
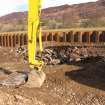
83, 36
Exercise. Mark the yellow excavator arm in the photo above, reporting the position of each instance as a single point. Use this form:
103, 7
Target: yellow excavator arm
34, 32
36, 76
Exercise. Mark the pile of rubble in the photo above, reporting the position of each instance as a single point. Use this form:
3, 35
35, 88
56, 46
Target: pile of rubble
67, 55
23, 52
61, 55
64, 55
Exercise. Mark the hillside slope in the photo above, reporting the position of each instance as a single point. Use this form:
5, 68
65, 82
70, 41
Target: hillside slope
90, 14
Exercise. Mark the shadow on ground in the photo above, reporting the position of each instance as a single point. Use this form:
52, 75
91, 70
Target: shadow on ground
92, 73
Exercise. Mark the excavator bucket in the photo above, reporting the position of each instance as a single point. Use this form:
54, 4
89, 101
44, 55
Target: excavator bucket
35, 79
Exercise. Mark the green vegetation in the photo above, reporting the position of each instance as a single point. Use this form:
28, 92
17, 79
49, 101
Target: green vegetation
55, 24
13, 26
83, 23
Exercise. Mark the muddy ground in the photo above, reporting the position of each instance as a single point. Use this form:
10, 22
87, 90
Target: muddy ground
81, 83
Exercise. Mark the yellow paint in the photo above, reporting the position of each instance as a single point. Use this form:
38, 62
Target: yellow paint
34, 31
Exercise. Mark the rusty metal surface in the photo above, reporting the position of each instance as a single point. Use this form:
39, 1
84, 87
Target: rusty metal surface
58, 36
